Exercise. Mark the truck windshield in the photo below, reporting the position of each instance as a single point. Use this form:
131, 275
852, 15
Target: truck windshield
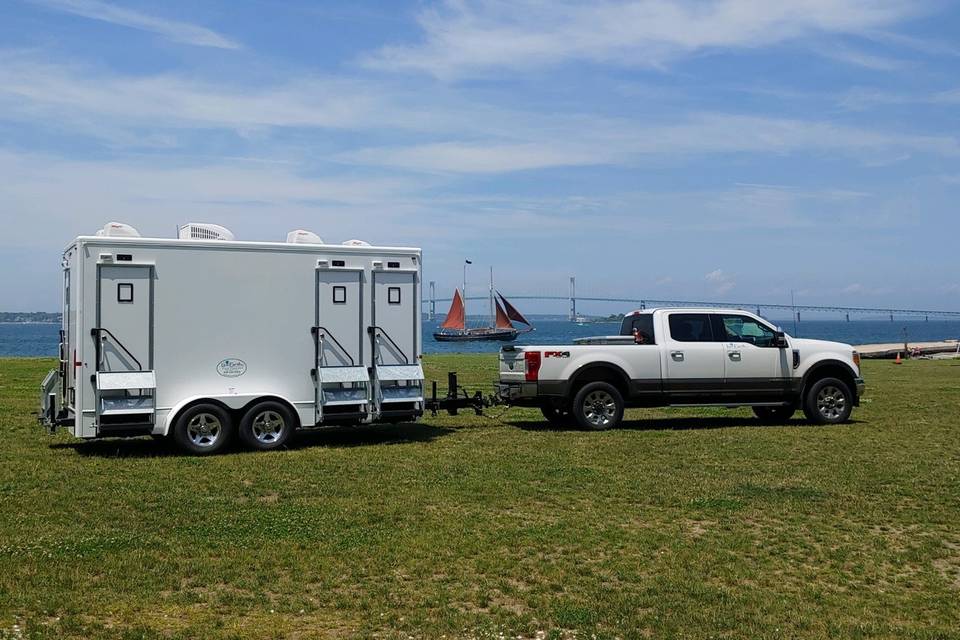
642, 324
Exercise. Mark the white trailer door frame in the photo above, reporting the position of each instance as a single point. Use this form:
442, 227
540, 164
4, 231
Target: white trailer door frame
124, 331
395, 340
341, 379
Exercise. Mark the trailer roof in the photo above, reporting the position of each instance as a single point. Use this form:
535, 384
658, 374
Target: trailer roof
239, 244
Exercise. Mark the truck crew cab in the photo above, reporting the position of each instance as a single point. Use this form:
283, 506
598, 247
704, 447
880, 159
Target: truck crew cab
684, 357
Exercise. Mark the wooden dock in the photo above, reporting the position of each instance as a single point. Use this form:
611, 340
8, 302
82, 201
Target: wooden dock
891, 350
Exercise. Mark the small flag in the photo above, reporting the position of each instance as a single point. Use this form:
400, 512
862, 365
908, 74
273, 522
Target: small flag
469, 261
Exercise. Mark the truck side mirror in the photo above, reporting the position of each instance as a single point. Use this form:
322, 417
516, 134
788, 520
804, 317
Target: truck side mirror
780, 340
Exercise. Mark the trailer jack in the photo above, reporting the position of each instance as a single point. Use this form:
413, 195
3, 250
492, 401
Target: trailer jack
457, 398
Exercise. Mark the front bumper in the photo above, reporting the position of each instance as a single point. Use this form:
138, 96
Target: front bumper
861, 387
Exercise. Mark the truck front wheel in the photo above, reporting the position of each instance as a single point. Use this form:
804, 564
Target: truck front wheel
828, 401
598, 406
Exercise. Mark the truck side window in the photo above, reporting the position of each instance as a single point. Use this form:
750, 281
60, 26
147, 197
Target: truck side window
736, 328
642, 324
690, 327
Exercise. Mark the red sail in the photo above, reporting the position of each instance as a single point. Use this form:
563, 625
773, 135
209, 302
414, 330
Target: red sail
455, 317
503, 322
512, 312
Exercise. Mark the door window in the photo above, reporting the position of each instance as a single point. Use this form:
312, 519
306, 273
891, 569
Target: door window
690, 327
736, 328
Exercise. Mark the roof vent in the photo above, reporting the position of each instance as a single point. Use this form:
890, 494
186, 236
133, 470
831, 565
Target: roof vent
204, 231
301, 236
356, 243
118, 230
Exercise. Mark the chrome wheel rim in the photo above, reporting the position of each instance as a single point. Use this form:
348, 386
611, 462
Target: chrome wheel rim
599, 408
204, 430
831, 402
268, 426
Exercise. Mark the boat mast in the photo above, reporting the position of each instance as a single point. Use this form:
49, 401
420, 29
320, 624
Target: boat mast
465, 263
492, 316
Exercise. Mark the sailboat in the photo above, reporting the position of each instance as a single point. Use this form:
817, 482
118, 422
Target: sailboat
454, 327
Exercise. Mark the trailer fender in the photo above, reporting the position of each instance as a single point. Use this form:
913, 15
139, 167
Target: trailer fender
233, 403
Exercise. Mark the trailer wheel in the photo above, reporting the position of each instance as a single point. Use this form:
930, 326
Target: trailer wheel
266, 425
557, 413
598, 406
203, 429
828, 401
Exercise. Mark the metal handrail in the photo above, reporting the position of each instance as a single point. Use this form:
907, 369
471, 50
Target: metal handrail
373, 328
95, 333
316, 332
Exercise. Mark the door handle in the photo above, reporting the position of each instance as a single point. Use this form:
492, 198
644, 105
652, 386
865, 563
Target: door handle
734, 355
677, 356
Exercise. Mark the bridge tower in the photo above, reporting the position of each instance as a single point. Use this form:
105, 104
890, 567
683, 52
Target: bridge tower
573, 298
432, 309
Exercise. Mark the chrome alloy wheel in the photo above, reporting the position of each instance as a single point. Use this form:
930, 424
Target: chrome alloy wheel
831, 402
599, 408
204, 429
268, 427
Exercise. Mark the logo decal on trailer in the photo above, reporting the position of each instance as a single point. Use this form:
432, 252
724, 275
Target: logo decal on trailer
231, 367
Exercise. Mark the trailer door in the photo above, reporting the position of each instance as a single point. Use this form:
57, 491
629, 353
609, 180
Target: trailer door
125, 383
398, 376
340, 375
125, 318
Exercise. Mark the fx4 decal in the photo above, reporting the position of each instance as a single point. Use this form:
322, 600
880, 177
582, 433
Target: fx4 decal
556, 354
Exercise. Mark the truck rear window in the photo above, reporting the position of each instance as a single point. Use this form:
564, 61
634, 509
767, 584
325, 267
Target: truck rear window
642, 323
690, 327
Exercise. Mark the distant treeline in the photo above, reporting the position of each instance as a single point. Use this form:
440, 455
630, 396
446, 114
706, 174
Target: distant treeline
29, 316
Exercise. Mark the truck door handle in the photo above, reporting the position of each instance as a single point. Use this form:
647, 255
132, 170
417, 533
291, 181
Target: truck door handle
677, 356
734, 355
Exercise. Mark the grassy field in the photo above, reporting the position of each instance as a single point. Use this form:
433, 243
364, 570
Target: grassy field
693, 523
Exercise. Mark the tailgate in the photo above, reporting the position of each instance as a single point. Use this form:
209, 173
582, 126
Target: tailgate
512, 365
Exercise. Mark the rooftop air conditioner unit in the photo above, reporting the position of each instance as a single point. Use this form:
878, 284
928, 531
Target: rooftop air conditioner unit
356, 243
302, 236
118, 230
204, 231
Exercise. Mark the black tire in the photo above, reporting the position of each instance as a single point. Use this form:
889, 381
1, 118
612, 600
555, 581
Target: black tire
774, 415
828, 401
266, 426
557, 413
598, 406
203, 429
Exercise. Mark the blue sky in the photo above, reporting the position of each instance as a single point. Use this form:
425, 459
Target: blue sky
660, 149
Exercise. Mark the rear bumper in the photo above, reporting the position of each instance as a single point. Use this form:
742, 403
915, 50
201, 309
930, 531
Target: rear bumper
516, 392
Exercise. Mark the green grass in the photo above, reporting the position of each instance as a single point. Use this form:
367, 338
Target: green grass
693, 523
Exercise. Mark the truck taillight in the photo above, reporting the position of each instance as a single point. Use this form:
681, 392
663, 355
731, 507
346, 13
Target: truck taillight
531, 361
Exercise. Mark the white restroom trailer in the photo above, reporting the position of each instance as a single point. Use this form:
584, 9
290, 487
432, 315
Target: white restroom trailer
202, 337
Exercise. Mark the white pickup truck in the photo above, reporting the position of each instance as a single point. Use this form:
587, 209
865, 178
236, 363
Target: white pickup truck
684, 357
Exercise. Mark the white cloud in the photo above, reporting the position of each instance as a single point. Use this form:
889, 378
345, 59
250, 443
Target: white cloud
183, 32
464, 37
859, 58
721, 282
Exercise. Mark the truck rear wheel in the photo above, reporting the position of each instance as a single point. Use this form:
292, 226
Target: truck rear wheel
774, 415
266, 425
203, 429
828, 401
598, 406
557, 413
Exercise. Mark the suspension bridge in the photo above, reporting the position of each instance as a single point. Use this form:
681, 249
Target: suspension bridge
572, 298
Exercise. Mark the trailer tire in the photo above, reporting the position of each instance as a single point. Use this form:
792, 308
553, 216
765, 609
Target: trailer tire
828, 401
203, 429
557, 413
266, 426
598, 406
